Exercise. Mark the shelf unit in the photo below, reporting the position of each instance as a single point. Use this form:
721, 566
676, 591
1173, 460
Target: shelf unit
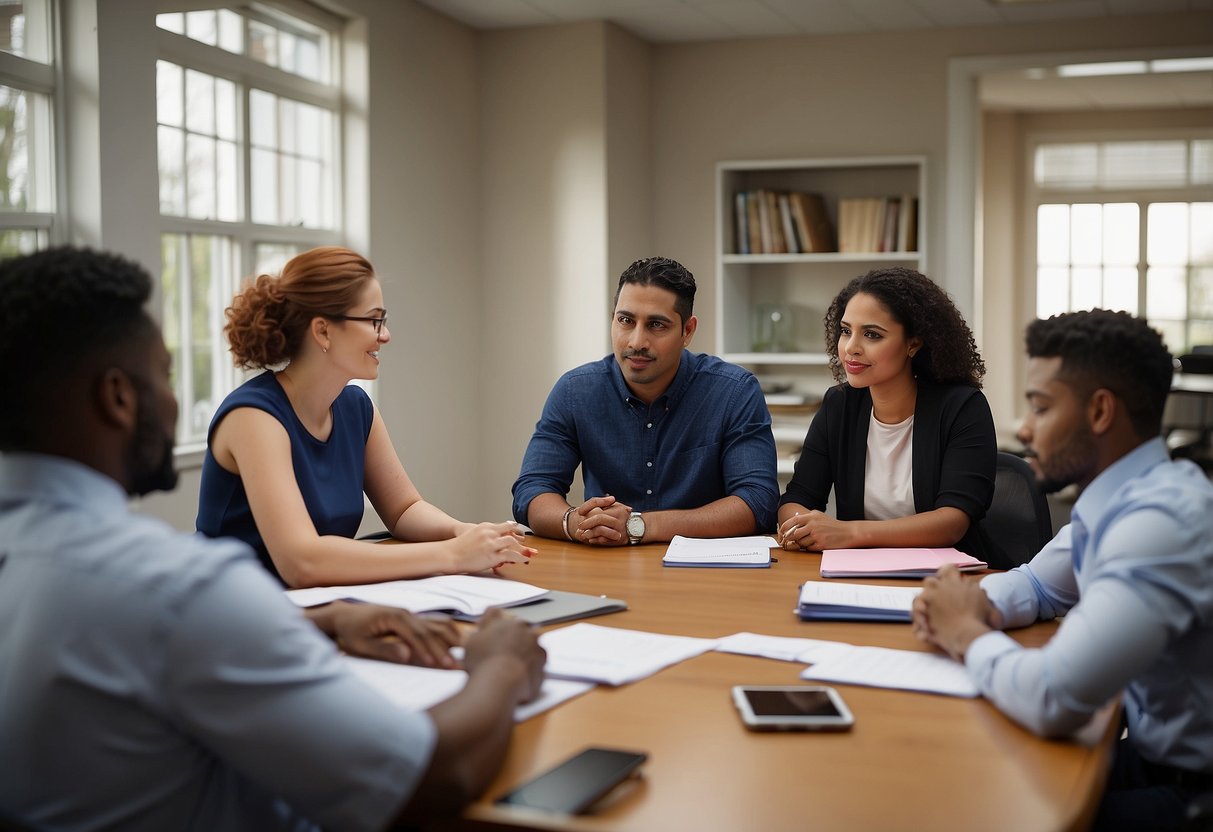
804, 283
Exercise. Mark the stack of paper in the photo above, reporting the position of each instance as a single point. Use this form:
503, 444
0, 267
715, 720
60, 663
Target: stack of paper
464, 596
854, 602
753, 552
893, 563
615, 656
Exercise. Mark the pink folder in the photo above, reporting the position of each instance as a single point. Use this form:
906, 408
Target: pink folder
893, 563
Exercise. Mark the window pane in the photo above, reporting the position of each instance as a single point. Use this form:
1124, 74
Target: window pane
25, 29
205, 260
231, 31
1121, 228
169, 105
172, 22
201, 26
1053, 234
288, 125
271, 257
1086, 288
309, 57
1167, 233
1145, 164
1202, 162
171, 273
1202, 293
199, 102
263, 43
289, 197
1120, 289
1052, 291
1167, 292
1067, 165
200, 177
16, 241
1199, 332
265, 187
171, 149
14, 153
225, 109
1086, 234
227, 185
312, 131
1202, 232
311, 195
263, 119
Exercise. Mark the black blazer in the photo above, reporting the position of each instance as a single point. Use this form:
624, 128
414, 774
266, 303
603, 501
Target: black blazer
953, 463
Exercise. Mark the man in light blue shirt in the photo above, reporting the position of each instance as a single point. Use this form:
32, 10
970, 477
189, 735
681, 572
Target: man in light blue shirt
155, 680
670, 442
1132, 573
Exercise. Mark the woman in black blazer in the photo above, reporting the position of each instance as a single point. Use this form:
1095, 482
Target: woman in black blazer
906, 439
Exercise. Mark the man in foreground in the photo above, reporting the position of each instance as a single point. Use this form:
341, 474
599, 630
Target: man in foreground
155, 680
1132, 573
670, 442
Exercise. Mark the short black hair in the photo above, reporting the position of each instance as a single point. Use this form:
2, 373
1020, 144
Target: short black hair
667, 274
58, 309
948, 354
1117, 351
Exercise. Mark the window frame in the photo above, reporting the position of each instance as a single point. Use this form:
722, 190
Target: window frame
1035, 196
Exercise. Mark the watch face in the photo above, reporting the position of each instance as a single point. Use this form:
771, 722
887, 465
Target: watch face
635, 526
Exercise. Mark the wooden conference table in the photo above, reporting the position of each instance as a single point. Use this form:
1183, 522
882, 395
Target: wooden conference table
912, 761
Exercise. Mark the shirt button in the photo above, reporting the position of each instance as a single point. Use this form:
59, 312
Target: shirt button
649, 464
648, 491
649, 425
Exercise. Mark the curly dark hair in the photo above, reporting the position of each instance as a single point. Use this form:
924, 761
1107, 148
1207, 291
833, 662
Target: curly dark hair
268, 319
61, 308
948, 354
665, 273
1111, 350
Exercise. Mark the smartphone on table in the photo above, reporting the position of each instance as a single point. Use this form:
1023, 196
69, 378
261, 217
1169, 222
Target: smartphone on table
792, 708
578, 783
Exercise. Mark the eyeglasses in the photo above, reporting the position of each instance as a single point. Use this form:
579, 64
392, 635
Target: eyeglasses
375, 322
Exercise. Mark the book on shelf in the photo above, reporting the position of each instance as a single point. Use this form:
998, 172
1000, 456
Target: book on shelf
740, 223
764, 223
812, 222
754, 222
789, 232
907, 225
894, 562
778, 244
878, 224
782, 222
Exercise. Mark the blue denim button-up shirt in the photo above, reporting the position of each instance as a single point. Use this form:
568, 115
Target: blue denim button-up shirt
707, 437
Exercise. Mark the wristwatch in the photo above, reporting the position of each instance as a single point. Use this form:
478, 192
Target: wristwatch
635, 527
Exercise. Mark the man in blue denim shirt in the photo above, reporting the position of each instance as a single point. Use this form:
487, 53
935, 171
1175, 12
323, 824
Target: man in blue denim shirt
670, 442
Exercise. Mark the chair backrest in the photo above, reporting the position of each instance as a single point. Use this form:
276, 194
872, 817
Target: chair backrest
1018, 523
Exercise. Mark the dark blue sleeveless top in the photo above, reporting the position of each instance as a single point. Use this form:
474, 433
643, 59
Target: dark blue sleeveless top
329, 474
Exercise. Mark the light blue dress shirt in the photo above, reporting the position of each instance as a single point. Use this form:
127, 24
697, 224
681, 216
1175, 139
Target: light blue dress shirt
1133, 575
154, 680
707, 437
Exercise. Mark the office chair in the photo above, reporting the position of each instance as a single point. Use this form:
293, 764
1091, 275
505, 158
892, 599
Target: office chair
1192, 442
1018, 523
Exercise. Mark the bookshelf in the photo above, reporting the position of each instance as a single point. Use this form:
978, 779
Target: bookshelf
798, 285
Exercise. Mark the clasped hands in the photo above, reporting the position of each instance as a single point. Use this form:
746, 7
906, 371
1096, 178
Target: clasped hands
813, 531
952, 611
599, 521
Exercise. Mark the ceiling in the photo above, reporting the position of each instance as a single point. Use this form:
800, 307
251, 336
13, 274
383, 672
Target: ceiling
670, 21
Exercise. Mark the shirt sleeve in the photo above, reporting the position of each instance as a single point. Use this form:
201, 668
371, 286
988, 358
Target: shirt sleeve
748, 460
551, 457
256, 683
813, 476
967, 469
1040, 590
1128, 613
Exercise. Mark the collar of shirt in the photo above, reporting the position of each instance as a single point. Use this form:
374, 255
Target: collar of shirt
672, 395
26, 477
1096, 499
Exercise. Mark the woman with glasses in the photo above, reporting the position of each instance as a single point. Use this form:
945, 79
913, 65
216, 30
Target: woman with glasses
291, 452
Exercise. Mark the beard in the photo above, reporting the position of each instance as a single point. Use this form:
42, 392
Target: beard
149, 461
1074, 461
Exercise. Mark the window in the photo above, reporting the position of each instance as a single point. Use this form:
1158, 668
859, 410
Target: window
248, 121
27, 141
1128, 225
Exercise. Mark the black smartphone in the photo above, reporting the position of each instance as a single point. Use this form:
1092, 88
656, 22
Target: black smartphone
577, 783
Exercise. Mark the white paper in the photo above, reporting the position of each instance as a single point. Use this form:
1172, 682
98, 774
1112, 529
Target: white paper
615, 656
421, 688
858, 595
755, 549
882, 667
785, 649
470, 594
